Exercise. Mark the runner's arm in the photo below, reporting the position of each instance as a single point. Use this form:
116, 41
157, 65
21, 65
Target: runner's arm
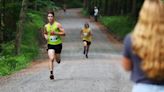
81, 34
45, 33
62, 32
90, 33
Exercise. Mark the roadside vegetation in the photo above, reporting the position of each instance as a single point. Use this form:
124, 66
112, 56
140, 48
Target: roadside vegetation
118, 25
29, 44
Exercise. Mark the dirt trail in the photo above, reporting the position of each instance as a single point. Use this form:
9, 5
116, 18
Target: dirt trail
101, 72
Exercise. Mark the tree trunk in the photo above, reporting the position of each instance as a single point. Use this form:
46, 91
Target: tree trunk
20, 27
35, 6
2, 25
85, 3
1, 13
106, 7
134, 8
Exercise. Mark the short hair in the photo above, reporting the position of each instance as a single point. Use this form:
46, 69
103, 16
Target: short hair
51, 12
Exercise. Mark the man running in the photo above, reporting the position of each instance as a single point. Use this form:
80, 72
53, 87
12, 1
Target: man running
52, 33
86, 36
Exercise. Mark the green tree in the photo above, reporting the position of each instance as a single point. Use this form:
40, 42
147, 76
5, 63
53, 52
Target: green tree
115, 7
2, 13
20, 26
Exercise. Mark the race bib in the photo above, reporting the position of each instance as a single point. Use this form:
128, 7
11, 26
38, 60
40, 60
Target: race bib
85, 34
53, 38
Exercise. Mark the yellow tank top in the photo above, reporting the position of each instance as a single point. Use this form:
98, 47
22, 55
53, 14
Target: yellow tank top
85, 33
53, 39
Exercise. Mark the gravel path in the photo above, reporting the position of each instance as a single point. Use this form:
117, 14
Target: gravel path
101, 72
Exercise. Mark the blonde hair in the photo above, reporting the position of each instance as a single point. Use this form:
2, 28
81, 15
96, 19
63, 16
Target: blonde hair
148, 37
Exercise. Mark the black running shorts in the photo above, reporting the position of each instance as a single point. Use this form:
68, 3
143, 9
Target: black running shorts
57, 48
88, 43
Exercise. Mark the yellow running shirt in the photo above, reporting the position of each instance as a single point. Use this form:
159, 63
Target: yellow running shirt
86, 32
53, 39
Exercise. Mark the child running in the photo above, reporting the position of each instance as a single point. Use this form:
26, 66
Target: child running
86, 36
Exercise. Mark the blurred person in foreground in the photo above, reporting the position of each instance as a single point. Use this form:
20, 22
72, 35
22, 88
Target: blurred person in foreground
144, 49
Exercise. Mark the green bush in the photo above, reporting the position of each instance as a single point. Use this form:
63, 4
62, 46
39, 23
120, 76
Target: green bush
85, 12
44, 5
8, 48
118, 25
10, 63
30, 38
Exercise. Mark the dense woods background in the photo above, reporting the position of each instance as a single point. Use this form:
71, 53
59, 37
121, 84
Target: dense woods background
115, 7
21, 21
